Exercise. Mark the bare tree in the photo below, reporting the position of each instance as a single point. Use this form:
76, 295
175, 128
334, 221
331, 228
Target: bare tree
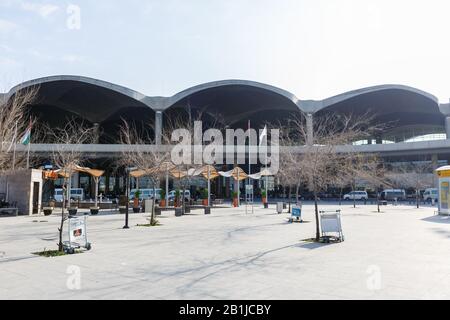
376, 175
14, 122
143, 154
186, 121
417, 176
322, 161
67, 156
292, 171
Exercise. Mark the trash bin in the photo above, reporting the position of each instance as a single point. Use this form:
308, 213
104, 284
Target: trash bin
279, 207
148, 205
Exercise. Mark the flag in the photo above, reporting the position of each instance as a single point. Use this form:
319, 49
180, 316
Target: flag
263, 135
26, 139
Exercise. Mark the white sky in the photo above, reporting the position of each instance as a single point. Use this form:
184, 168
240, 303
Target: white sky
313, 48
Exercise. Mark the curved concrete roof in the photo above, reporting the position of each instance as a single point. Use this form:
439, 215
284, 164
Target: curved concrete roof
100, 83
316, 106
164, 103
216, 84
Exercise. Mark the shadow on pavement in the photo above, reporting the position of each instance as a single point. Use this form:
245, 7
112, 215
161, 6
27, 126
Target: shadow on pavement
438, 219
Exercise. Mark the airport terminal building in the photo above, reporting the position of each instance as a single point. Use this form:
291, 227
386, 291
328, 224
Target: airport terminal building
421, 131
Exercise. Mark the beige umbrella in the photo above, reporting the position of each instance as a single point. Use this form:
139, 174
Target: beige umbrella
209, 173
237, 174
95, 173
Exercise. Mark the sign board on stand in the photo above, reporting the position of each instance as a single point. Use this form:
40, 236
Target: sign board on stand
296, 214
77, 230
444, 190
77, 235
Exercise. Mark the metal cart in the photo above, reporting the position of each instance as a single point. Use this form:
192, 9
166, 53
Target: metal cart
331, 226
249, 203
77, 235
296, 215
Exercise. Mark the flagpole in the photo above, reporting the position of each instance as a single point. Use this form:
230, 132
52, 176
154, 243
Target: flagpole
15, 145
28, 156
249, 151
28, 149
249, 162
267, 183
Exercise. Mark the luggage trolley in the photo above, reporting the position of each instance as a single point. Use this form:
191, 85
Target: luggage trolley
331, 226
77, 235
296, 215
249, 203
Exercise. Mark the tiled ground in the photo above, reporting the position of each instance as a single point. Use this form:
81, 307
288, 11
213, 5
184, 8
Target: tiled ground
401, 253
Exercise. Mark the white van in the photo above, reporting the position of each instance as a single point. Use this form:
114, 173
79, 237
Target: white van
187, 195
75, 194
356, 195
431, 194
146, 194
392, 194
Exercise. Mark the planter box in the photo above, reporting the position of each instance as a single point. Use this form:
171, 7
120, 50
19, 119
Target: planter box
48, 211
123, 209
136, 210
178, 212
95, 211
73, 211
207, 210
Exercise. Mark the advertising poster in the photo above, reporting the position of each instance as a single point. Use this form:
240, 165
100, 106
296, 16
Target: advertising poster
77, 230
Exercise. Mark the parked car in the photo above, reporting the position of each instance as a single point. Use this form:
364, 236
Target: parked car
187, 195
431, 194
392, 194
146, 194
356, 195
75, 194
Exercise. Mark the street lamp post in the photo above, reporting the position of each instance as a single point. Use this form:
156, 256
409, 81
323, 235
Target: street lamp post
127, 192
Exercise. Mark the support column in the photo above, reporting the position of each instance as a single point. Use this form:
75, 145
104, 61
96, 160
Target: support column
76, 180
96, 133
309, 129
447, 126
435, 165
107, 184
158, 127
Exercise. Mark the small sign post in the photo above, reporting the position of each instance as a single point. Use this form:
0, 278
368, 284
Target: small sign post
77, 235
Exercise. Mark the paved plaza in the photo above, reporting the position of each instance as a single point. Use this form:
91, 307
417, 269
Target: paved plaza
400, 253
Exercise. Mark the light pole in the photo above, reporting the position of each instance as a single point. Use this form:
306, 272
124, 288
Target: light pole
127, 193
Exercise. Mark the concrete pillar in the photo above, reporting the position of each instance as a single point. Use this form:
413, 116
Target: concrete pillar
435, 165
309, 129
158, 127
76, 180
107, 184
96, 133
447, 126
